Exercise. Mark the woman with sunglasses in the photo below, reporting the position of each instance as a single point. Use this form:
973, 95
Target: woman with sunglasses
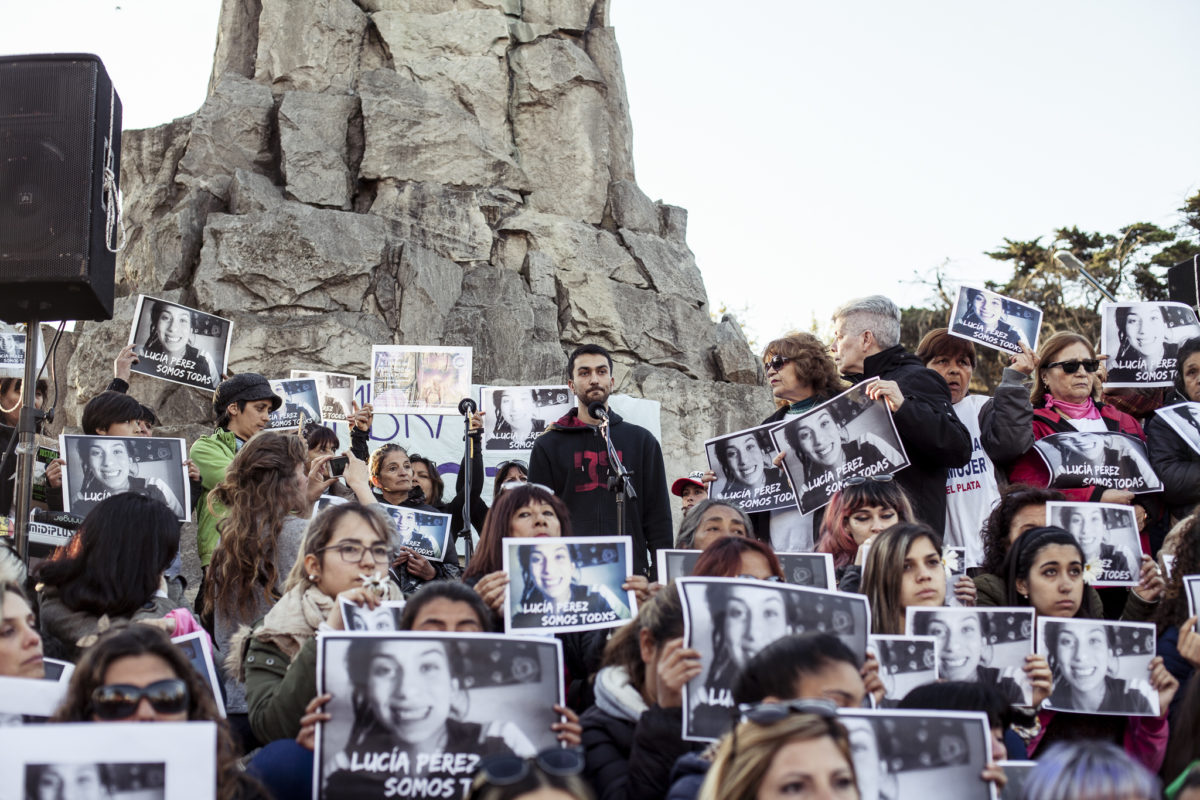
803, 753
550, 775
137, 674
509, 475
1065, 400
801, 375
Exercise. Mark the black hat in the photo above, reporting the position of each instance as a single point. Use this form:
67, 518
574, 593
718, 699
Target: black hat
247, 386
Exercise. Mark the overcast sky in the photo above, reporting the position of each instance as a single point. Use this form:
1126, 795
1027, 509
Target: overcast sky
823, 150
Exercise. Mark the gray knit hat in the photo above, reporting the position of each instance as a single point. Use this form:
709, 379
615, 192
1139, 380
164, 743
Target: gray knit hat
248, 386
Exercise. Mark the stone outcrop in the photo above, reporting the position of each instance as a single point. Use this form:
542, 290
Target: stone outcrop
422, 171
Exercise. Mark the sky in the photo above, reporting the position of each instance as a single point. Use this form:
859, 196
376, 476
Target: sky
824, 150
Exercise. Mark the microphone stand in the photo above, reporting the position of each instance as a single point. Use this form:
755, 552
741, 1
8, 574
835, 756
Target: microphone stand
466, 407
618, 477
24, 436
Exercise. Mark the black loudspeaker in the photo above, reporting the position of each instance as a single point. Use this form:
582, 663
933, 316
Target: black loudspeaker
60, 130
1181, 281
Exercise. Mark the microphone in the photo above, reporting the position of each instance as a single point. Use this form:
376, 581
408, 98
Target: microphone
597, 410
466, 406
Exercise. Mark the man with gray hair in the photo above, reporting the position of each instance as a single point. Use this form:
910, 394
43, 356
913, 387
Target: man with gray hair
866, 344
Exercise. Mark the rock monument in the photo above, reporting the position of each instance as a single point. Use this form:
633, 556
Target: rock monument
451, 172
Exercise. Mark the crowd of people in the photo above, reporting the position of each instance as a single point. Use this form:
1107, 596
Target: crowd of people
285, 544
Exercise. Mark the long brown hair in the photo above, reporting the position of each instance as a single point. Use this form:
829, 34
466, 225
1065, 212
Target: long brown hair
662, 616
883, 573
261, 492
1173, 609
137, 639
487, 556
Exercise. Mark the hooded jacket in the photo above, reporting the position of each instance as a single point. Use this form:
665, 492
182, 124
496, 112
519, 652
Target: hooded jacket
932, 434
212, 455
629, 746
572, 460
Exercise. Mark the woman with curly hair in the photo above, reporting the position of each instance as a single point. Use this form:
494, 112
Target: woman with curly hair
802, 375
1178, 642
266, 493
143, 658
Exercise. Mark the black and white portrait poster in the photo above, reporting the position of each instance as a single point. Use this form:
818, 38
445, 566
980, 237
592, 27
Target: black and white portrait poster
427, 533
955, 561
1099, 667
335, 390
1184, 419
729, 620
846, 437
902, 754
301, 403
814, 570
980, 645
1092, 458
1108, 535
163, 761
1146, 339
384, 617
560, 584
516, 415
674, 564
746, 472
413, 713
1191, 587
1015, 773
36, 698
101, 466
418, 379
994, 320
12, 353
198, 649
905, 662
179, 344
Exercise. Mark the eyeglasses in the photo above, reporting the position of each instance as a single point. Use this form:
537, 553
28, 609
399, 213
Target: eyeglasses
859, 480
120, 701
504, 465
507, 769
1072, 366
775, 362
504, 487
769, 578
352, 552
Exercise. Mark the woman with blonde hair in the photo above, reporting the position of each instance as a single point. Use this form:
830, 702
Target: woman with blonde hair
785, 751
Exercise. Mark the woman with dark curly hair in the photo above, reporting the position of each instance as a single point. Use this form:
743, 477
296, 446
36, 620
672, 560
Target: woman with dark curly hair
142, 659
1178, 642
802, 375
1174, 457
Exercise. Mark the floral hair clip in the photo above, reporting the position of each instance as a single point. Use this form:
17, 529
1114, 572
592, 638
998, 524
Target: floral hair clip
376, 583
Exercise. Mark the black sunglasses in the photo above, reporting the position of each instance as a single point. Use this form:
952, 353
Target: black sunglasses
775, 362
770, 713
120, 700
1072, 366
508, 769
859, 480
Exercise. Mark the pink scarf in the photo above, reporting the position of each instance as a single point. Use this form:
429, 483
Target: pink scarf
1085, 410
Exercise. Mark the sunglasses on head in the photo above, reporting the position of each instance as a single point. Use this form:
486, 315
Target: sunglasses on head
506, 770
1072, 366
860, 480
120, 701
776, 362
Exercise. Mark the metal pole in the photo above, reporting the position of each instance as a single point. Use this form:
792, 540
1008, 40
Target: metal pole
26, 428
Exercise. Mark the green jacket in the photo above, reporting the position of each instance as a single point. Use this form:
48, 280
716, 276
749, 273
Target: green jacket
277, 690
212, 455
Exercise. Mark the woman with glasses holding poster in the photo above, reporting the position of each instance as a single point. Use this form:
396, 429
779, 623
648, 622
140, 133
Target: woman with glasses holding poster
1044, 569
1065, 400
801, 375
136, 674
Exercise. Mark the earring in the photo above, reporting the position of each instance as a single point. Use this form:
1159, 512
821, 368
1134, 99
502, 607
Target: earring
312, 577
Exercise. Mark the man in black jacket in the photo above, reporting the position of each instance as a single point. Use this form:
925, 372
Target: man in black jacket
571, 459
866, 344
